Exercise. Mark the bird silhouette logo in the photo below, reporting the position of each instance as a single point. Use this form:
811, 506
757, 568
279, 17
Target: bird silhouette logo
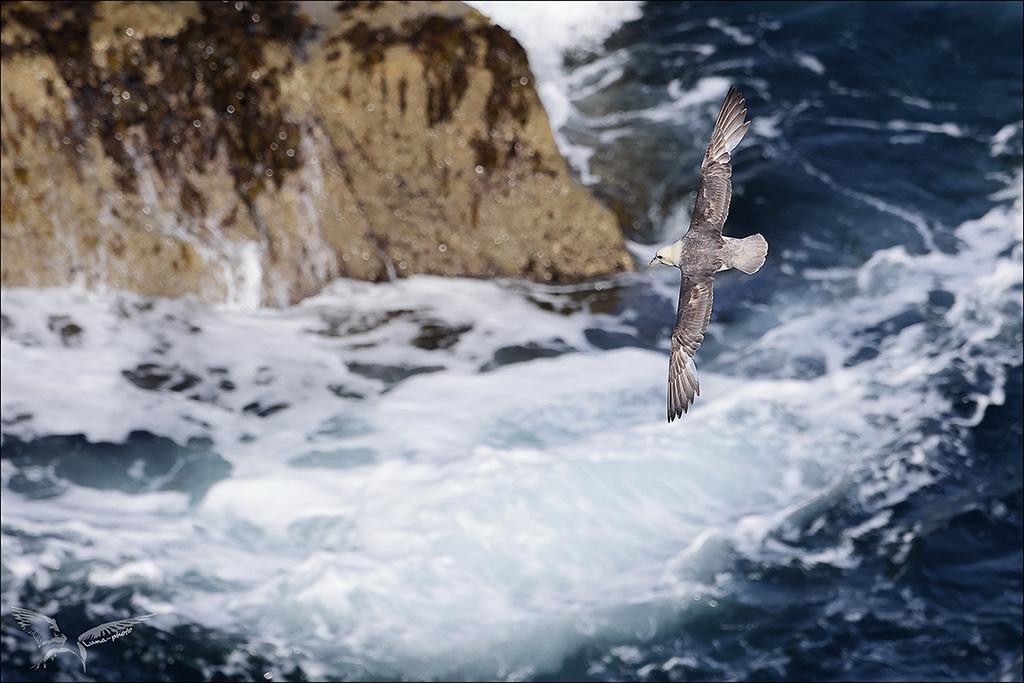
48, 635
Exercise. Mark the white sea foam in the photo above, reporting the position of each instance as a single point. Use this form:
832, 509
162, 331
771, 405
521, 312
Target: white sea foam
738, 35
900, 126
481, 520
810, 62
1001, 141
493, 521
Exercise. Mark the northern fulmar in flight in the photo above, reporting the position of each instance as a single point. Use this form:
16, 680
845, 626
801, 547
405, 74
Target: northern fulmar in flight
704, 251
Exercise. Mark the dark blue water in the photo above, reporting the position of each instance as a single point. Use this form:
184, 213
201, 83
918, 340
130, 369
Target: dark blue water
885, 156
941, 598
940, 602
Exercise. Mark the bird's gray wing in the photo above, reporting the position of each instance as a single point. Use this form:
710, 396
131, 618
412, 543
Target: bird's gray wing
106, 632
692, 318
714, 189
39, 626
111, 628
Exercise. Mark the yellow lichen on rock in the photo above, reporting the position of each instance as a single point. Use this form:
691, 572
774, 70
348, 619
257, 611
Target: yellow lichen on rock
206, 149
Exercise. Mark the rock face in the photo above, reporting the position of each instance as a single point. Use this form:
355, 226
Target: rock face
252, 152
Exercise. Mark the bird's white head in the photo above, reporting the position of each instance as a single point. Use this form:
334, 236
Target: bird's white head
669, 255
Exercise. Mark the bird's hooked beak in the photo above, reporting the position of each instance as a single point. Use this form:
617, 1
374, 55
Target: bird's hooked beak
653, 260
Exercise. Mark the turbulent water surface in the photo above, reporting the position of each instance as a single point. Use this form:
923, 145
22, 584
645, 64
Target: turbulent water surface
457, 479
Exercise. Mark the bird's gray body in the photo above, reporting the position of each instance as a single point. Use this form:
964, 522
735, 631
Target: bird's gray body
704, 251
701, 255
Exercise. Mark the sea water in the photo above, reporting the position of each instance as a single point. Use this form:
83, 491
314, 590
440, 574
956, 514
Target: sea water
436, 479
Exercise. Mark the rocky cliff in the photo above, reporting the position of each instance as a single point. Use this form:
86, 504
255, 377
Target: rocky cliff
252, 152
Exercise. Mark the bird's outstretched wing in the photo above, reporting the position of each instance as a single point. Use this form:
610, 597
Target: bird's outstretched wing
692, 318
110, 629
39, 626
106, 632
714, 189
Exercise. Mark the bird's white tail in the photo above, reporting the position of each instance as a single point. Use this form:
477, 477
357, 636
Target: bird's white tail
747, 254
